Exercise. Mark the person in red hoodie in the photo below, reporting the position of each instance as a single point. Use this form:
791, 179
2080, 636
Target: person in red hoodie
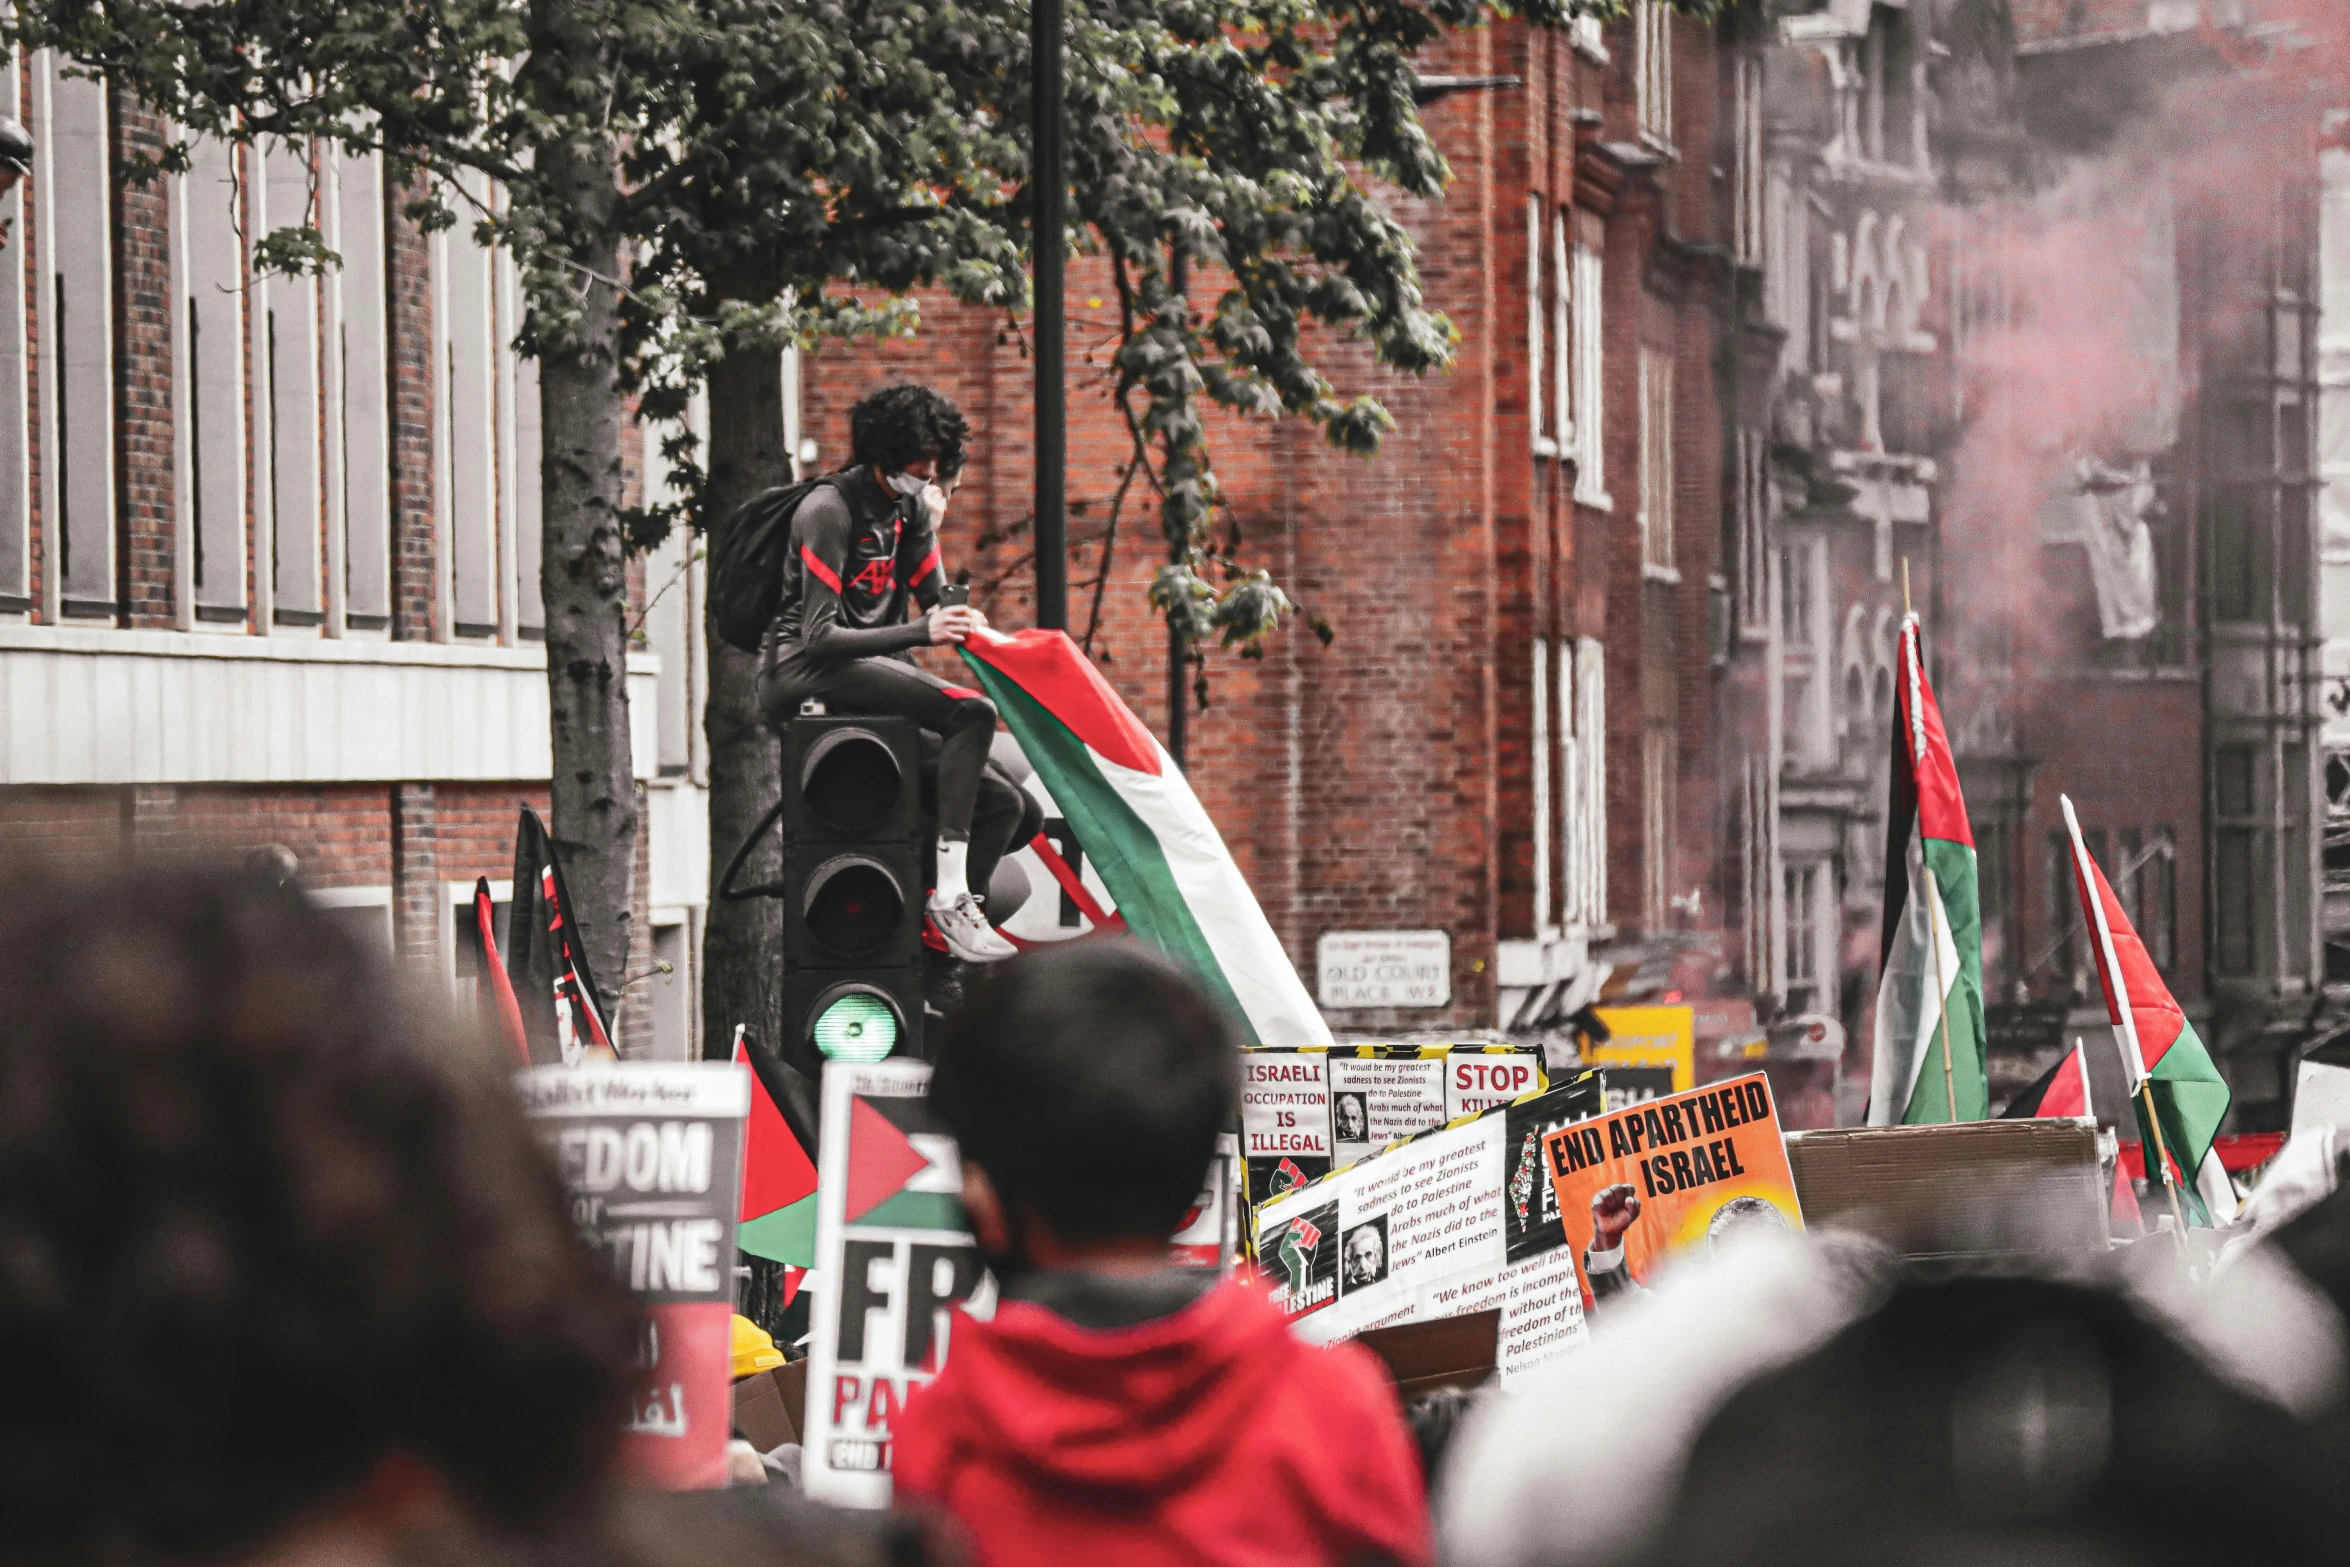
1118, 1409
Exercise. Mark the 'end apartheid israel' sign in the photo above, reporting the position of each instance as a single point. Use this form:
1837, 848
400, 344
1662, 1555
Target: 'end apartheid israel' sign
1383, 968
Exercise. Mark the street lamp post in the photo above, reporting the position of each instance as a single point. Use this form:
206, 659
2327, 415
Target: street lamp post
1048, 194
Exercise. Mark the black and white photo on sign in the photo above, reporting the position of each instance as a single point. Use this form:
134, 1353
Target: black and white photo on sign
1363, 1254
1351, 1118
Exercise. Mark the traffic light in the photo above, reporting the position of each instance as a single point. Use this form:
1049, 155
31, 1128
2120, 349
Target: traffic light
852, 890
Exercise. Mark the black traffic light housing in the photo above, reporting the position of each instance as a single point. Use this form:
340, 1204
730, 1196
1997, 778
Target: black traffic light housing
852, 872
852, 887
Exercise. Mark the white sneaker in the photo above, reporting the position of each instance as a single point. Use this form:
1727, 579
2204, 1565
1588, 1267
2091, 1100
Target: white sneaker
966, 931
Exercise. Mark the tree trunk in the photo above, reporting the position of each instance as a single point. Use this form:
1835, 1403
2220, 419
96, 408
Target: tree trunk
584, 578
742, 943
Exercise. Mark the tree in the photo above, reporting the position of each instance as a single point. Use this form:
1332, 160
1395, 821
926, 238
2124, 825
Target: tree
542, 97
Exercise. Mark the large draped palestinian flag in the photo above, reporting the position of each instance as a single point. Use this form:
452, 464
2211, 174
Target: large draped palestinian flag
2160, 1048
1932, 944
1154, 848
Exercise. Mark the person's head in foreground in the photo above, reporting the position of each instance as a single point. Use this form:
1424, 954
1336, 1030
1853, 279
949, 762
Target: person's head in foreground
1116, 1408
1819, 1403
282, 1271
1085, 1085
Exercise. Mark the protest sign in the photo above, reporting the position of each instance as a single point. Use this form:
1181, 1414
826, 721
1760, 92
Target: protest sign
1649, 1052
1689, 1170
651, 1159
1425, 1231
897, 1257
1209, 1236
1284, 1118
1369, 1095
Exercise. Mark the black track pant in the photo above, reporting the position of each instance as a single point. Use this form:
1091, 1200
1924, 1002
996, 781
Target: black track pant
956, 723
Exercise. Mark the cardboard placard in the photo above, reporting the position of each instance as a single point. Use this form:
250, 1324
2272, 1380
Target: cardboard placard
759, 1413
1307, 1112
1688, 1170
1428, 1229
1906, 1185
1653, 1037
651, 1155
897, 1259
1284, 1118
1422, 1357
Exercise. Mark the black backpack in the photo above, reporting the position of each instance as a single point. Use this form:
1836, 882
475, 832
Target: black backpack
747, 554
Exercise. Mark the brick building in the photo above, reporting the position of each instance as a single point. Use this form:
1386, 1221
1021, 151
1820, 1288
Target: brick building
2044, 275
1613, 611
1509, 737
268, 545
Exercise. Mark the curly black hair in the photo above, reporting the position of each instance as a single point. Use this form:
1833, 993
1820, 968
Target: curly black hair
266, 1219
905, 423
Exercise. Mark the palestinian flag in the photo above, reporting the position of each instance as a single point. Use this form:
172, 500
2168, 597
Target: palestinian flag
1932, 946
2062, 1090
2160, 1049
779, 1171
1162, 860
903, 1169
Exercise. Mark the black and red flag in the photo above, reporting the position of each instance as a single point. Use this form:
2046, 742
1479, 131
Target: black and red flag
563, 1010
493, 968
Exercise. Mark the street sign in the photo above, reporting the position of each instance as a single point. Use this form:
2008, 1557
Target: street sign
1384, 968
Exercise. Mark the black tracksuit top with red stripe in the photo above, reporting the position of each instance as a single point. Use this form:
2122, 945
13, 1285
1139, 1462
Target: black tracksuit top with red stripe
857, 550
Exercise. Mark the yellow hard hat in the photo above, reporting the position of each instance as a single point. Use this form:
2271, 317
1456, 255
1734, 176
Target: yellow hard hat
752, 1349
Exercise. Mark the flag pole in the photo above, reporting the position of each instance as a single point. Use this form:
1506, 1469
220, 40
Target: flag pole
1909, 651
2125, 1023
1942, 985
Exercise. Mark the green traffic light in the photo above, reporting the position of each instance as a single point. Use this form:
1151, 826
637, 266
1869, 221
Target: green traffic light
859, 1028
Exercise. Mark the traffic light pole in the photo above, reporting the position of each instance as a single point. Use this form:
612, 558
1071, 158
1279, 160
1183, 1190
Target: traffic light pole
1048, 188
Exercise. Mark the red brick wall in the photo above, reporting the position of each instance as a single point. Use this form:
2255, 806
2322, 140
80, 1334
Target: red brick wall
408, 285
145, 504
64, 824
2130, 755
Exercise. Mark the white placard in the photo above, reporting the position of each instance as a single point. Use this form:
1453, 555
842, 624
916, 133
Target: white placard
1384, 968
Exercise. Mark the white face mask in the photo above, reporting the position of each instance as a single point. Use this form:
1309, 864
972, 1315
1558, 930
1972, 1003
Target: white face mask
907, 484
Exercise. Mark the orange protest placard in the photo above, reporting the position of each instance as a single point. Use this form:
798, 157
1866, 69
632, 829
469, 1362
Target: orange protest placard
1685, 1171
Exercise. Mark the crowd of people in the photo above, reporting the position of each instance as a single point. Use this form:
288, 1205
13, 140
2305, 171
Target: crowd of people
286, 1280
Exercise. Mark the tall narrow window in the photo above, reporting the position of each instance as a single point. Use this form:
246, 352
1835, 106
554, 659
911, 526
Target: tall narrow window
1590, 461
468, 347
1754, 521
364, 384
1584, 758
1562, 336
1659, 782
2242, 912
669, 620
1807, 889
297, 499
16, 511
1540, 702
1653, 67
1656, 460
75, 211
214, 439
529, 505
1537, 361
1747, 196
518, 463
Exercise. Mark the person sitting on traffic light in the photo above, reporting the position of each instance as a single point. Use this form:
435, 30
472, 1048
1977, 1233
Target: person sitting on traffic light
860, 548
